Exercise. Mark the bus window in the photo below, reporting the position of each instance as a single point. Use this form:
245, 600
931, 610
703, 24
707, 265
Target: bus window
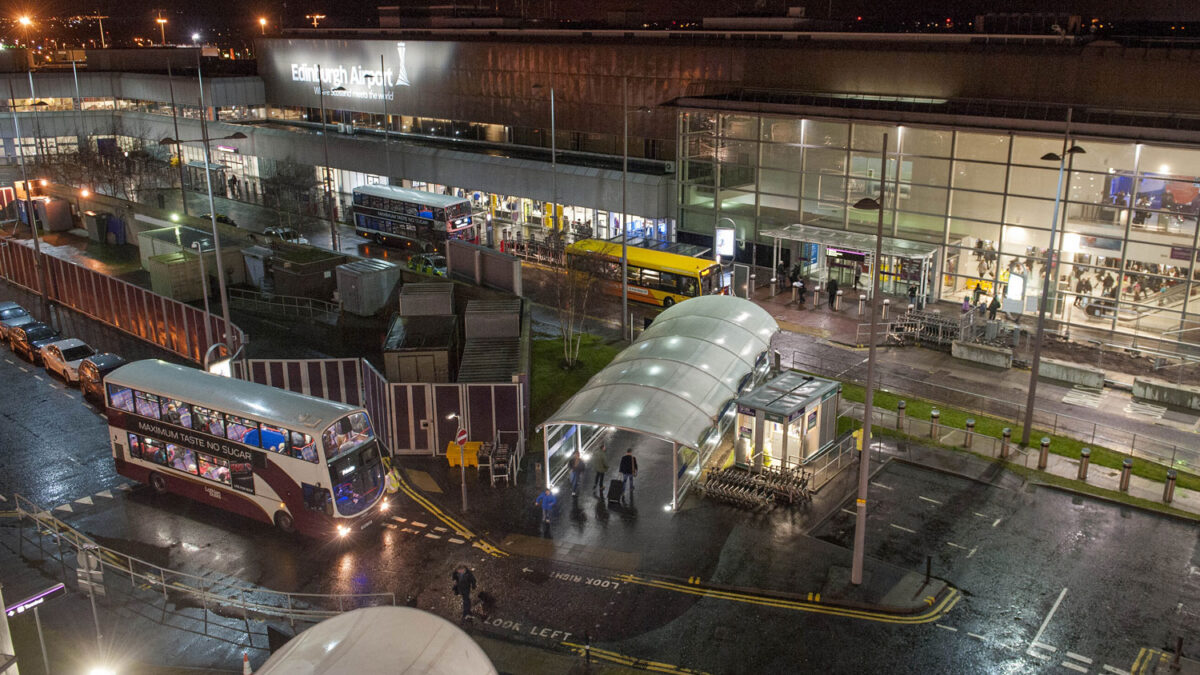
181, 458
243, 476
346, 434
236, 428
208, 421
303, 447
271, 438
147, 404
213, 468
176, 412
689, 287
120, 398
154, 451
135, 446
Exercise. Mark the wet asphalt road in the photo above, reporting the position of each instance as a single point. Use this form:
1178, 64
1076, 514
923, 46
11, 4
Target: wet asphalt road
1131, 577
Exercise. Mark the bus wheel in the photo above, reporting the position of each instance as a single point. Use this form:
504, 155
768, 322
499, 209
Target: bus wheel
159, 483
668, 302
283, 520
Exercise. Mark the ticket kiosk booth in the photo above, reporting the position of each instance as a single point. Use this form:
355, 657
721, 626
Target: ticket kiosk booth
788, 420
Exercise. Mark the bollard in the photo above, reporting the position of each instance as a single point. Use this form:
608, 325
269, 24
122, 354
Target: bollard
1169, 488
778, 358
795, 291
750, 286
862, 301
1085, 458
886, 304
1044, 453
933, 422
1006, 438
970, 433
911, 307
1126, 469
900, 415
837, 302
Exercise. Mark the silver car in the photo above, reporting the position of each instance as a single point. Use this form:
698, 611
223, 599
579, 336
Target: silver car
62, 358
12, 314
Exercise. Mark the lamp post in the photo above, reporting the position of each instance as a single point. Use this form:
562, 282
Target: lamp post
315, 18
262, 24
1047, 280
162, 29
462, 457
178, 148
383, 84
37, 242
553, 164
334, 239
625, 112
199, 246
860, 512
212, 212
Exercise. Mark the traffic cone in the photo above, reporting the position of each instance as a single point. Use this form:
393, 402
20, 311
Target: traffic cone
246, 664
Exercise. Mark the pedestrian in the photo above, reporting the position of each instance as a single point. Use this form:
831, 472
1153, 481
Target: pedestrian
628, 470
233, 184
832, 287
993, 307
912, 295
464, 583
546, 500
858, 270
977, 294
966, 307
599, 463
576, 465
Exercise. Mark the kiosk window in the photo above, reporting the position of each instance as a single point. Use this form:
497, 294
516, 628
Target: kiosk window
120, 398
147, 404
176, 412
209, 421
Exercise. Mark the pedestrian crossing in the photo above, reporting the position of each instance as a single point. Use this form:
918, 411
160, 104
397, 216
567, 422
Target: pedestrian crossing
1086, 397
1145, 409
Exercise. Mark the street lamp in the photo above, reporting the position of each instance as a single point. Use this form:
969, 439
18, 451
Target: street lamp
1047, 279
262, 24
314, 18
860, 512
212, 212
462, 457
334, 239
383, 83
553, 163
625, 113
25, 22
37, 242
195, 38
162, 29
199, 246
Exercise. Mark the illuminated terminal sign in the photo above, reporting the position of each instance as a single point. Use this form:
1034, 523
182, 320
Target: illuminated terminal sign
34, 600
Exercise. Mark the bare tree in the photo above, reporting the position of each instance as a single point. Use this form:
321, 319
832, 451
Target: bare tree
572, 290
120, 164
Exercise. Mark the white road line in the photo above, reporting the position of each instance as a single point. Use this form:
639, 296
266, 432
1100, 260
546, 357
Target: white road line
107, 494
901, 527
125, 486
1045, 657
1074, 666
23, 369
84, 500
64, 507
410, 531
853, 513
949, 628
1115, 671
880, 485
37, 377
972, 552
931, 501
3, 498
1046, 621
7, 360
416, 524
1042, 645
455, 540
398, 519
980, 514
977, 636
433, 536
950, 543
440, 529
390, 526
1078, 657
997, 522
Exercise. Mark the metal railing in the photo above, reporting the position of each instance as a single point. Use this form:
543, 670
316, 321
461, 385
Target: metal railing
225, 597
285, 305
831, 463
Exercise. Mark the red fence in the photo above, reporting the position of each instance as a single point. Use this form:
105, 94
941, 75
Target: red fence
170, 324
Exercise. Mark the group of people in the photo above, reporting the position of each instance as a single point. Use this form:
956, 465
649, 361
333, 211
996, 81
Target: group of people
598, 463
975, 301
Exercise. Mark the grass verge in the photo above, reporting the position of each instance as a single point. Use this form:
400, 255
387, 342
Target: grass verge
551, 384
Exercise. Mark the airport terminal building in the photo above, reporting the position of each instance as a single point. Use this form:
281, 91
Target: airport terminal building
774, 134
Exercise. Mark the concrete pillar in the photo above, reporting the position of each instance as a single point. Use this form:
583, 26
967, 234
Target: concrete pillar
1005, 439
837, 302
900, 410
1169, 488
1044, 453
886, 305
1085, 458
970, 433
1126, 470
934, 416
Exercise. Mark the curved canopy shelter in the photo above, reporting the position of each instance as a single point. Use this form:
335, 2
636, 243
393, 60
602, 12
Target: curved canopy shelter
675, 383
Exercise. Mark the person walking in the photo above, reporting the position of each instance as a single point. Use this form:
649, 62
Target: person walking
576, 464
599, 464
912, 295
628, 470
832, 287
464, 583
546, 500
977, 294
993, 307
966, 306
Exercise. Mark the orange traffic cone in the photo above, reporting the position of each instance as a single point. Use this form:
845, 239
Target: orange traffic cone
246, 664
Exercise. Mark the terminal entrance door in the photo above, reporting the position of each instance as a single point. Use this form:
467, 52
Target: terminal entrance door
844, 265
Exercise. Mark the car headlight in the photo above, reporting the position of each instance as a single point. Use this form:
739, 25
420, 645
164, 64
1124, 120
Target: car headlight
342, 530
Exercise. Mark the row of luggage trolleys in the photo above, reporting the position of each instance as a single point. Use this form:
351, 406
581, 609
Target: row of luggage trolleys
758, 491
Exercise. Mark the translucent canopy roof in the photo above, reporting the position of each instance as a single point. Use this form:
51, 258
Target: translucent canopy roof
679, 374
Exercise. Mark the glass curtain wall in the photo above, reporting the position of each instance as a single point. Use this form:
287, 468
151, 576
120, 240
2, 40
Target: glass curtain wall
1128, 219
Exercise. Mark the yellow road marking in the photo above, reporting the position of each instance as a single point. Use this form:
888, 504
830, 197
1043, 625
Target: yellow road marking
458, 527
626, 660
1137, 663
933, 614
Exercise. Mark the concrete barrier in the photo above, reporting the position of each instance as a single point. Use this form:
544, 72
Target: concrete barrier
1160, 391
1073, 373
985, 354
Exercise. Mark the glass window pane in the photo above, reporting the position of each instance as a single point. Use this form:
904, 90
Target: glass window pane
825, 214
1025, 211
1030, 149
925, 171
739, 126
698, 172
781, 130
237, 429
869, 137
120, 398
826, 161
922, 199
700, 147
209, 421
1093, 188
147, 404
135, 446
1104, 157
1033, 182
1169, 161
929, 142
272, 438
176, 412
921, 226
700, 121
213, 468
828, 134
698, 195
737, 202
303, 446
783, 156
742, 153
981, 147
824, 186
779, 182
960, 229
975, 205
978, 176
181, 458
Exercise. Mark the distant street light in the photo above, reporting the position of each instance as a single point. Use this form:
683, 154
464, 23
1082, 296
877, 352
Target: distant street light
262, 24
162, 29
195, 38
315, 18
199, 247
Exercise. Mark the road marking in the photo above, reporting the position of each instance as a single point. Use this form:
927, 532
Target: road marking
410, 531
625, 660
398, 519
996, 522
980, 514
106, 494
390, 526
439, 529
977, 636
1115, 671
1078, 657
7, 360
931, 501
1046, 621
901, 527
952, 629
84, 500
37, 377
125, 487
853, 513
1145, 409
1074, 666
64, 507
433, 536
455, 540
972, 552
880, 485
1044, 657
1042, 645
1086, 397
416, 524
950, 543
3, 498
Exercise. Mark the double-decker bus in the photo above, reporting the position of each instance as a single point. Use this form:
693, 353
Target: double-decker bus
655, 277
413, 218
305, 464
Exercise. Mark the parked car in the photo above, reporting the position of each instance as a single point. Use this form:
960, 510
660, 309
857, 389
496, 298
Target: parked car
12, 314
221, 218
428, 263
92, 371
28, 340
63, 357
288, 234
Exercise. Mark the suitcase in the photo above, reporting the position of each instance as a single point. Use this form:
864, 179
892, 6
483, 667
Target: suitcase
616, 489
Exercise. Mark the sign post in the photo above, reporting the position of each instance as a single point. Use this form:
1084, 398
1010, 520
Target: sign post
89, 575
461, 439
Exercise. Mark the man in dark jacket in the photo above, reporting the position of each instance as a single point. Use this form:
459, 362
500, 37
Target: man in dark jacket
464, 583
832, 287
628, 470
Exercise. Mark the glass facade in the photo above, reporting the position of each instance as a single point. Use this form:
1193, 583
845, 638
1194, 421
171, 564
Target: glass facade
1127, 238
